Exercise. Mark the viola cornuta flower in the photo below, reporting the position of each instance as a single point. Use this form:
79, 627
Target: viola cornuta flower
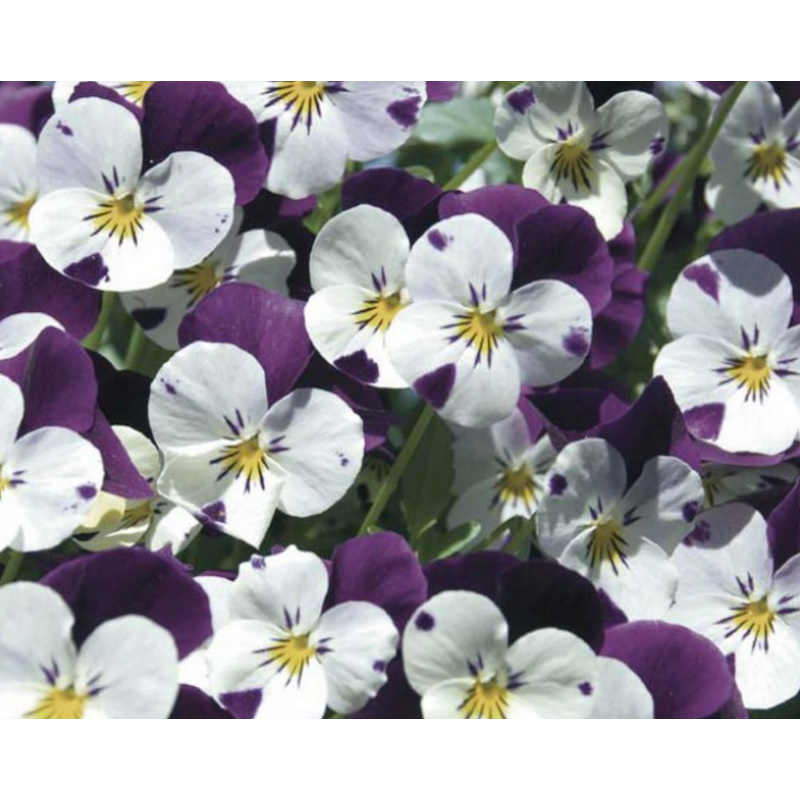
756, 157
126, 669
576, 153
358, 275
101, 221
620, 536
730, 592
232, 459
280, 655
733, 367
467, 343
18, 184
48, 478
321, 124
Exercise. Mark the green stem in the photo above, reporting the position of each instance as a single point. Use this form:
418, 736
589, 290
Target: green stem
654, 200
693, 164
12, 567
133, 355
95, 338
475, 161
389, 485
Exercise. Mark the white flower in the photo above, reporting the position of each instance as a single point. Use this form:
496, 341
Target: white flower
232, 459
730, 593
320, 124
573, 152
357, 272
280, 656
18, 184
456, 656
126, 669
467, 343
620, 538
100, 220
755, 156
733, 365
48, 479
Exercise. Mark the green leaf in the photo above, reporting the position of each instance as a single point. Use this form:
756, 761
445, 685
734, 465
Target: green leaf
461, 120
443, 544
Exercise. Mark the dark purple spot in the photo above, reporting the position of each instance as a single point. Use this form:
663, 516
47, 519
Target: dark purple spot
424, 621
437, 239
576, 342
87, 492
65, 129
657, 145
358, 365
149, 318
705, 421
558, 485
379, 666
213, 514
405, 112
343, 460
435, 387
586, 688
91, 271
257, 562
242, 705
690, 510
706, 277
521, 100
700, 534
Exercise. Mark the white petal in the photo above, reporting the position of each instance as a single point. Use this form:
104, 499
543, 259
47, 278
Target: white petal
172, 527
13, 405
731, 198
18, 184
538, 173
606, 200
445, 700
263, 258
218, 591
143, 453
619, 693
559, 104
513, 125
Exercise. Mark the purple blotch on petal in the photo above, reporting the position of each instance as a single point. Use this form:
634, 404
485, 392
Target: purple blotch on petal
91, 270
405, 112
87, 492
213, 513
700, 534
558, 485
65, 129
242, 705
358, 365
257, 562
586, 688
705, 421
149, 318
379, 666
437, 240
521, 100
657, 145
706, 278
690, 510
576, 342
435, 387
169, 388
424, 621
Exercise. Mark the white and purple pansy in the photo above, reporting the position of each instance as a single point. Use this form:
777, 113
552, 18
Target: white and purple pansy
232, 459
280, 655
457, 658
258, 257
126, 669
733, 367
319, 125
756, 157
18, 184
620, 536
101, 221
49, 478
467, 343
576, 153
357, 272
730, 592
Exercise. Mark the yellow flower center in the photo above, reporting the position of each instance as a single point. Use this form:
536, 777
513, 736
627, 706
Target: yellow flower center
485, 700
19, 213
4, 483
134, 90
379, 313
303, 98
517, 485
752, 373
606, 544
480, 330
60, 704
292, 654
120, 217
137, 515
573, 163
246, 459
767, 162
752, 619
198, 281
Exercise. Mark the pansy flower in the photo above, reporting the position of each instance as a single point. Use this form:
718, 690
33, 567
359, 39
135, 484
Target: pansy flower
319, 125
232, 458
101, 221
467, 343
18, 184
733, 367
126, 669
755, 156
281, 656
259, 257
576, 153
730, 592
620, 536
357, 272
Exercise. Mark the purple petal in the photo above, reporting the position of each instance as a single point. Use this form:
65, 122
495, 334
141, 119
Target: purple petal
24, 104
474, 572
783, 528
441, 91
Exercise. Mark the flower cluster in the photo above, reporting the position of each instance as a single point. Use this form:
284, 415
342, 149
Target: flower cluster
317, 405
